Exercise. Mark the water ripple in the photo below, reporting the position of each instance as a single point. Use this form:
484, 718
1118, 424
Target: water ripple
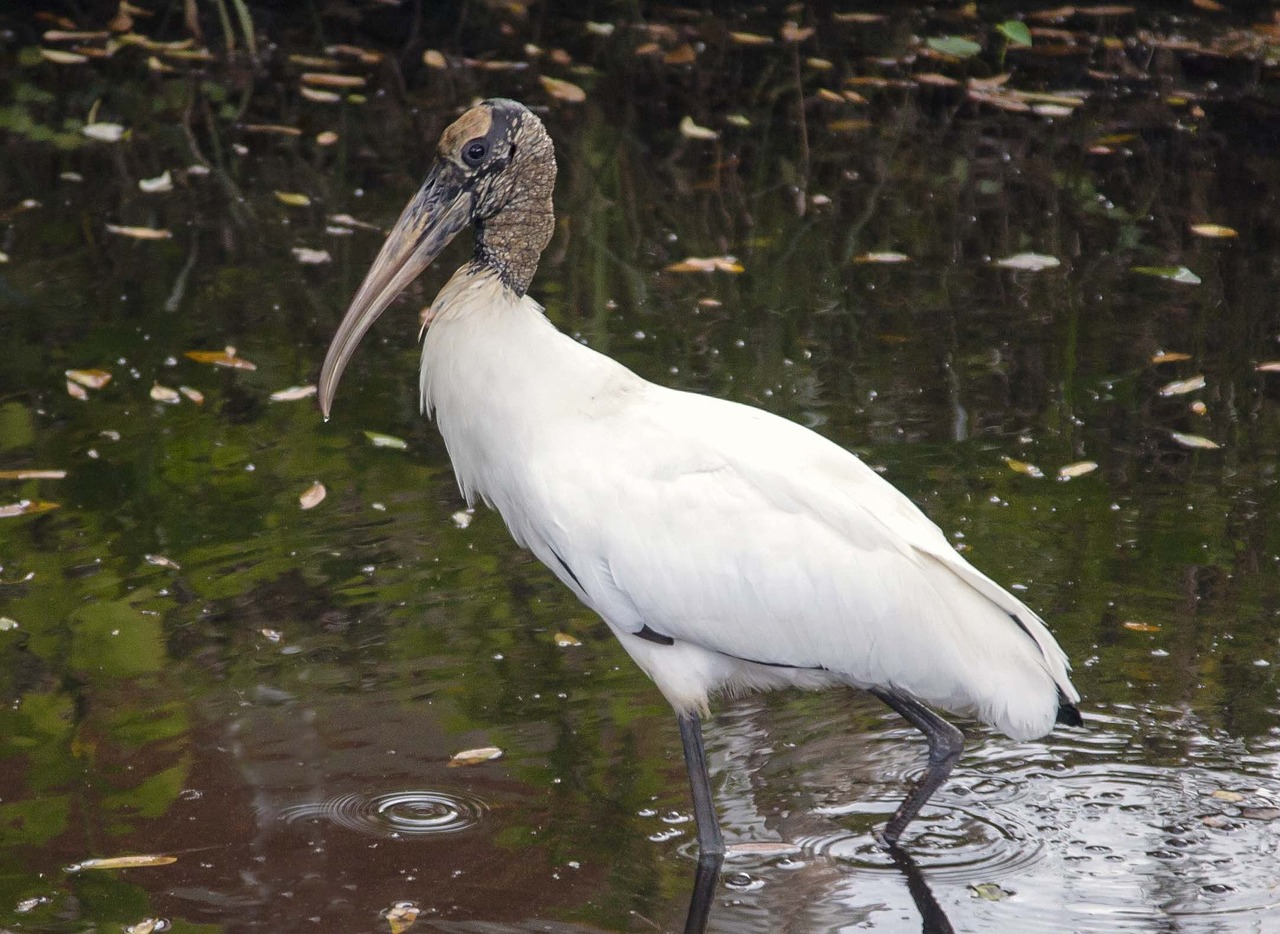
394, 814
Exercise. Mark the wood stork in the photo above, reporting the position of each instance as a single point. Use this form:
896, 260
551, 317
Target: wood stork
727, 548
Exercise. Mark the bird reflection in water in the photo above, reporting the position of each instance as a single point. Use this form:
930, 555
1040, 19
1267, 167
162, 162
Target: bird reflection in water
706, 882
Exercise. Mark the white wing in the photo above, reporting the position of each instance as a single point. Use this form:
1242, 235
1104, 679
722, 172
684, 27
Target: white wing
745, 534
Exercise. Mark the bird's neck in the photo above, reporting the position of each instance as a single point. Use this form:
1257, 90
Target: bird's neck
511, 241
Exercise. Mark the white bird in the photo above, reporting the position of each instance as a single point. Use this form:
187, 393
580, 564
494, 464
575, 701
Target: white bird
727, 548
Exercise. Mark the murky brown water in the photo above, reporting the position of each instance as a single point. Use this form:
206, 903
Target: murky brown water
203, 669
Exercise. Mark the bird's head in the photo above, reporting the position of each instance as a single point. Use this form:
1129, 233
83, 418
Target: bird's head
494, 168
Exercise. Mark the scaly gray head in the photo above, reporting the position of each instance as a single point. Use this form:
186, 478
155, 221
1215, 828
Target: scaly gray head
495, 168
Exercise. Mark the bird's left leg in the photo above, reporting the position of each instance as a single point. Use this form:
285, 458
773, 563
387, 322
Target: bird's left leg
710, 840
945, 744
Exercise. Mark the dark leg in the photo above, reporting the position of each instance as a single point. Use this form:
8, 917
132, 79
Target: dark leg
710, 842
945, 744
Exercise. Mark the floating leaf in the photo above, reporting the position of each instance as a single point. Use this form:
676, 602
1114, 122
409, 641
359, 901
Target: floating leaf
882, 257
1214, 230
1140, 627
293, 393
293, 199
76, 391
103, 132
161, 184
195, 395
313, 495
683, 54
329, 80
1078, 469
565, 91
1260, 813
990, 891
1031, 470
1199, 408
955, 46
164, 394
462, 518
933, 79
1271, 366
147, 926
272, 635
140, 233
90, 379
26, 507
1029, 262
225, 357
794, 32
1180, 387
474, 756
311, 257
379, 440
1015, 31
1170, 357
1173, 273
161, 561
564, 640
1194, 441
123, 862
401, 916
316, 96
707, 264
434, 58
326, 138
32, 474
62, 57
692, 130
750, 38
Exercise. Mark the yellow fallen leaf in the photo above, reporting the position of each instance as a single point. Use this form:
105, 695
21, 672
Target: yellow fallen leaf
1213, 230
1194, 441
26, 507
1199, 408
226, 357
1031, 470
329, 80
293, 393
563, 90
326, 138
62, 57
434, 58
684, 54
195, 395
1140, 627
564, 640
140, 233
32, 474
293, 199
1222, 794
1078, 469
123, 862
312, 496
273, 129
474, 756
90, 379
882, 257
164, 394
161, 561
316, 96
750, 38
692, 130
707, 264
1180, 387
1170, 357
794, 32
76, 391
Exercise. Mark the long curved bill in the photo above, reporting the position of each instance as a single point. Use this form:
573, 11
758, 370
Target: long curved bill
439, 210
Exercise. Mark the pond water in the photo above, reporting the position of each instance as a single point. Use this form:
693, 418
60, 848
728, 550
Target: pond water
195, 666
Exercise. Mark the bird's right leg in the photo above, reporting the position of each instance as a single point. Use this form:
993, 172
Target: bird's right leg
710, 840
945, 745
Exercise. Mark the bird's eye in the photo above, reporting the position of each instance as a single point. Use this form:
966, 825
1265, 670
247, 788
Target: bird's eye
474, 152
